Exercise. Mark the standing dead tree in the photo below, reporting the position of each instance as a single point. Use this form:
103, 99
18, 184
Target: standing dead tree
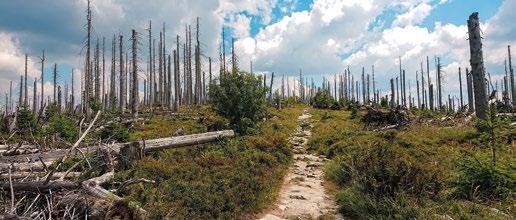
477, 65
134, 88
123, 84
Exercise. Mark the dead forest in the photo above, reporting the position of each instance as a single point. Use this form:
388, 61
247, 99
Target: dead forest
61, 154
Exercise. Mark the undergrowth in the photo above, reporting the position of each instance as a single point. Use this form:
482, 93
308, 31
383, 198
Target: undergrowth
420, 172
223, 180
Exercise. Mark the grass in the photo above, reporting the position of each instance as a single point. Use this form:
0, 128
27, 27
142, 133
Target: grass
224, 180
422, 171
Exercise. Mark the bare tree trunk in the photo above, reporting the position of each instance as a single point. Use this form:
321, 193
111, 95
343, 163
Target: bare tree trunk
97, 71
270, 87
418, 96
477, 65
469, 81
72, 97
439, 86
429, 103
25, 97
150, 82
34, 89
123, 92
102, 94
392, 94
55, 82
112, 88
513, 87
42, 76
404, 86
460, 86
20, 101
134, 89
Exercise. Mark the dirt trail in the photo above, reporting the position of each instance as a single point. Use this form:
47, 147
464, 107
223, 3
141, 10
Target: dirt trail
302, 195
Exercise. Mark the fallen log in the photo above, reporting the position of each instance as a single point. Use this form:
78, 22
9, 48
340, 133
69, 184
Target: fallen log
186, 140
41, 186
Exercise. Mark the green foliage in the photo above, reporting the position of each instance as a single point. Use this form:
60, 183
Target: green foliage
222, 180
323, 100
240, 98
64, 126
116, 132
95, 104
51, 111
480, 179
26, 121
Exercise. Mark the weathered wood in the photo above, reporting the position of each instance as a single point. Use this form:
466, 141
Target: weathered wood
41, 185
477, 66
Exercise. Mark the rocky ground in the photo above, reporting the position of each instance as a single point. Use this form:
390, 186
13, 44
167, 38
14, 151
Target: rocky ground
303, 195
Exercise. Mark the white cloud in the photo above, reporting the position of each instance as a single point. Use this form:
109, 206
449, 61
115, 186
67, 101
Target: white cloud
413, 16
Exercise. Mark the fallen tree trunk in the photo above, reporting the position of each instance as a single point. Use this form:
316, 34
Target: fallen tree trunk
41, 186
186, 140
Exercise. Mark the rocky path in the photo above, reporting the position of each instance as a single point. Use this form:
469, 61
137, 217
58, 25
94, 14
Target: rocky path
302, 195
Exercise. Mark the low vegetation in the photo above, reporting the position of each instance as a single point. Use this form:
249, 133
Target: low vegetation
224, 180
422, 171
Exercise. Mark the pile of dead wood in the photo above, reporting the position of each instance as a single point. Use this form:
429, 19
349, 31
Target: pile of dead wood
381, 117
35, 184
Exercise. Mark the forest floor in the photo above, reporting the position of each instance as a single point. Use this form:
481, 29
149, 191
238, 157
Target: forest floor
303, 194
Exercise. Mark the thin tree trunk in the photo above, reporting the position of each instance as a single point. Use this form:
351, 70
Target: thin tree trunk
460, 86
134, 89
123, 84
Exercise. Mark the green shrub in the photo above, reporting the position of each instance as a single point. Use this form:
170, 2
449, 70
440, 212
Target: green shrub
115, 132
323, 100
65, 127
240, 98
26, 121
480, 179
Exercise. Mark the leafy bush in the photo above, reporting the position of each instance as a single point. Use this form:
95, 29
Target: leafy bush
240, 98
115, 132
26, 121
65, 127
479, 179
323, 100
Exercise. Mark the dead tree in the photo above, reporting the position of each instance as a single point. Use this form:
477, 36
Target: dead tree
97, 71
34, 88
469, 82
513, 87
25, 97
439, 87
430, 87
151, 83
417, 88
112, 87
123, 84
42, 77
134, 89
20, 101
477, 65
87, 78
392, 93
460, 88
55, 82
423, 92
103, 101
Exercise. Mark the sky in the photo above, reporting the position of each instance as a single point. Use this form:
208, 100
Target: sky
319, 37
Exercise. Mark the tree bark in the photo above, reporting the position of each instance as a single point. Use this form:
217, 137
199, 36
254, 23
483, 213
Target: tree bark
477, 66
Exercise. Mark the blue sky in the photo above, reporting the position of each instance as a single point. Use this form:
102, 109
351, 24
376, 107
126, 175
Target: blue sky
322, 37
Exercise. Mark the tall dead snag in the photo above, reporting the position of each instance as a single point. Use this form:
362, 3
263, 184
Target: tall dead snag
123, 84
460, 88
198, 88
177, 76
270, 87
477, 66
55, 82
417, 88
469, 81
404, 86
87, 75
97, 71
112, 87
439, 87
513, 87
392, 93
430, 87
423, 93
41, 77
134, 89
72, 96
375, 100
150, 75
103, 101
20, 101
25, 97
34, 100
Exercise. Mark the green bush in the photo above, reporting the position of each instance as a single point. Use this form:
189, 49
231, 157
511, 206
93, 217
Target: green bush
26, 121
65, 127
115, 132
480, 179
323, 100
240, 98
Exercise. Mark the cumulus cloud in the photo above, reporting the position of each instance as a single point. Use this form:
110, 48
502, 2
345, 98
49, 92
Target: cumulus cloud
414, 15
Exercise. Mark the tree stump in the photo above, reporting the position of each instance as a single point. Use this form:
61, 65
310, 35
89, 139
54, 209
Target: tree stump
129, 153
